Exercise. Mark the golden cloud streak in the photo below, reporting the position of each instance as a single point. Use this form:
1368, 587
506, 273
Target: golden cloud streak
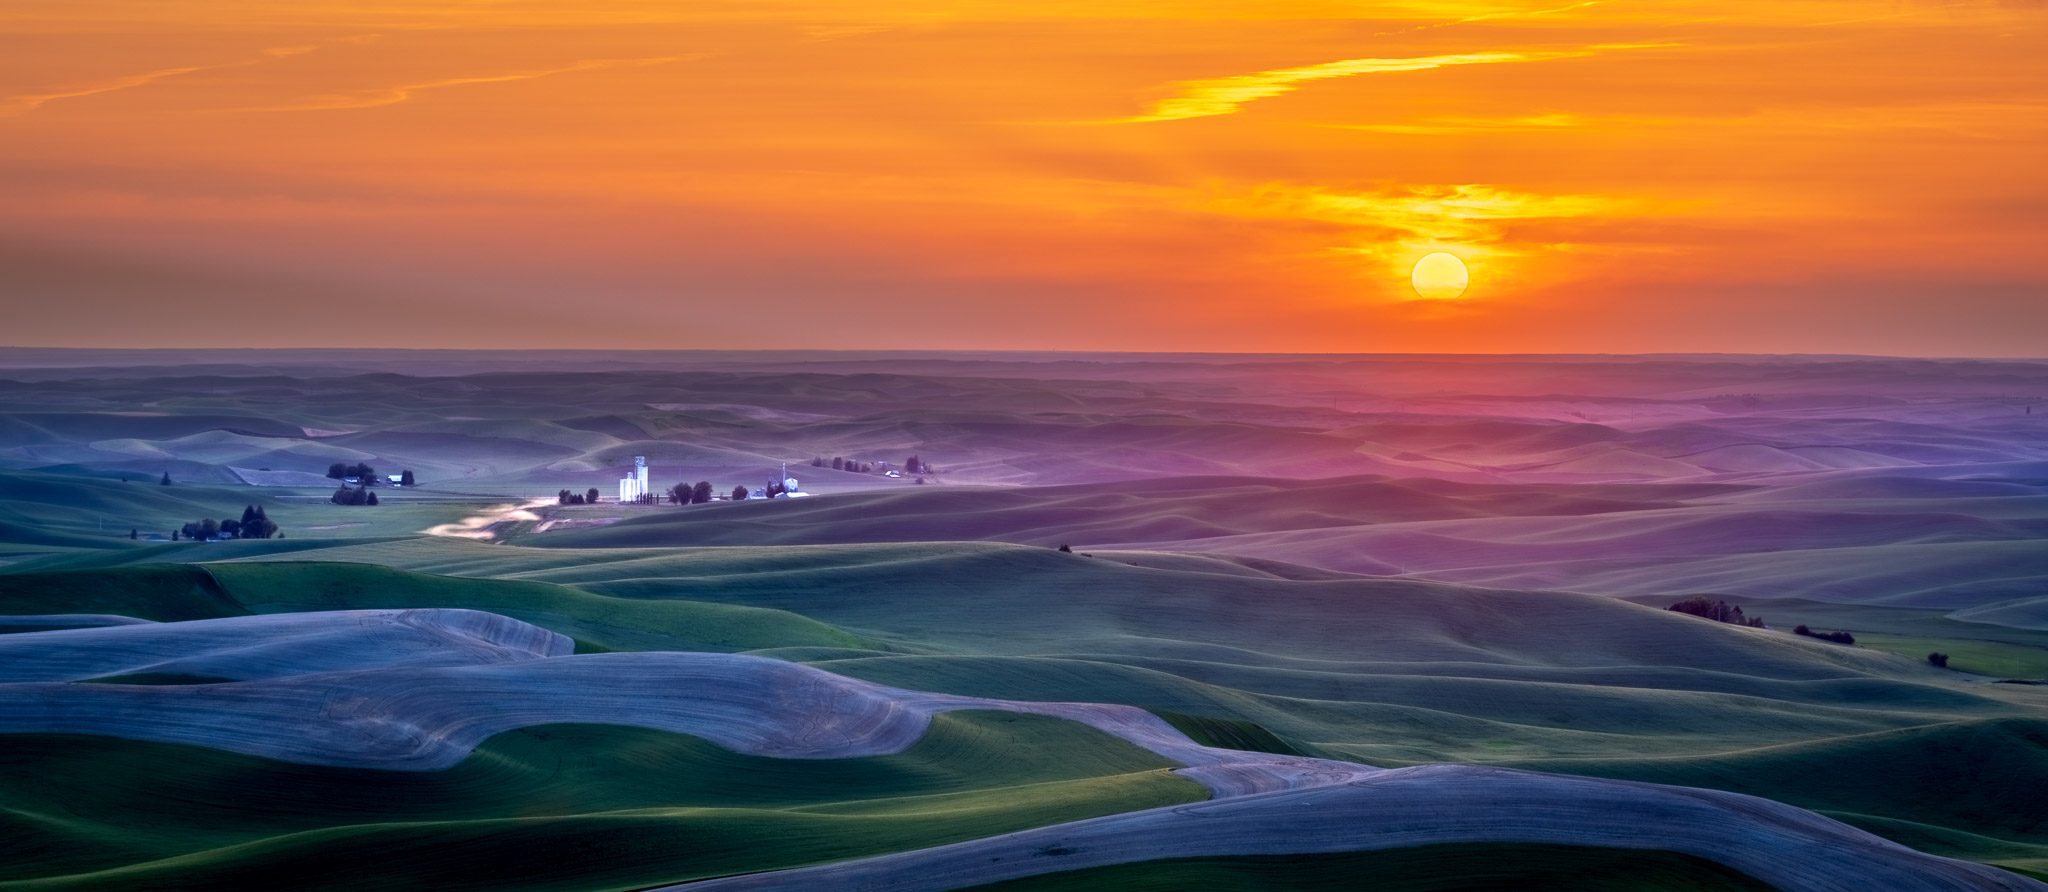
1222, 96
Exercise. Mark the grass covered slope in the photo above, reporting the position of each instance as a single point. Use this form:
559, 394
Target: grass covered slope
1439, 671
557, 807
1968, 789
97, 512
433, 720
172, 592
1469, 867
1169, 509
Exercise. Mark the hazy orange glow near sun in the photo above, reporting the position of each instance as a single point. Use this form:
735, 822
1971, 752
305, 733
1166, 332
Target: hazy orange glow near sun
1661, 175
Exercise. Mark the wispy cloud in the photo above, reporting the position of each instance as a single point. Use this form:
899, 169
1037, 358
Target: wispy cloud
1462, 213
393, 95
14, 106
28, 102
1222, 96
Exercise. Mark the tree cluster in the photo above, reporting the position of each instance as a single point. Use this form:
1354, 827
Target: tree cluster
915, 465
687, 494
587, 497
361, 495
842, 463
1718, 611
253, 524
362, 472
1837, 637
1938, 660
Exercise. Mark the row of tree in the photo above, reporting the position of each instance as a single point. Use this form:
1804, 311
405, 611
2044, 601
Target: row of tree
841, 463
1718, 611
360, 471
363, 473
566, 497
1837, 637
688, 494
253, 524
913, 465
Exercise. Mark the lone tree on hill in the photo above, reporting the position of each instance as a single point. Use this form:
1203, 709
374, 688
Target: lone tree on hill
167, 479
133, 533
700, 493
405, 477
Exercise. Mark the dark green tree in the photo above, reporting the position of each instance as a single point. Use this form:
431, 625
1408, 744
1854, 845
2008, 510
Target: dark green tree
337, 470
405, 478
590, 497
134, 534
700, 493
739, 493
167, 479
369, 498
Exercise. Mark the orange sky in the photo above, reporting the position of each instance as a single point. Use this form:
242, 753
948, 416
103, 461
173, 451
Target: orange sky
1669, 175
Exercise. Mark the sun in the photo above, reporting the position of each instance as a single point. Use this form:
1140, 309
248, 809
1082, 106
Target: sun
1440, 276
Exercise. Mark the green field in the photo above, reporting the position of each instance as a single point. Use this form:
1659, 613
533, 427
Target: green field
1441, 868
1388, 673
551, 807
1386, 561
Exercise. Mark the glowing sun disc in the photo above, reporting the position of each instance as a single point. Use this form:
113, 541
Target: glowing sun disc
1440, 276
